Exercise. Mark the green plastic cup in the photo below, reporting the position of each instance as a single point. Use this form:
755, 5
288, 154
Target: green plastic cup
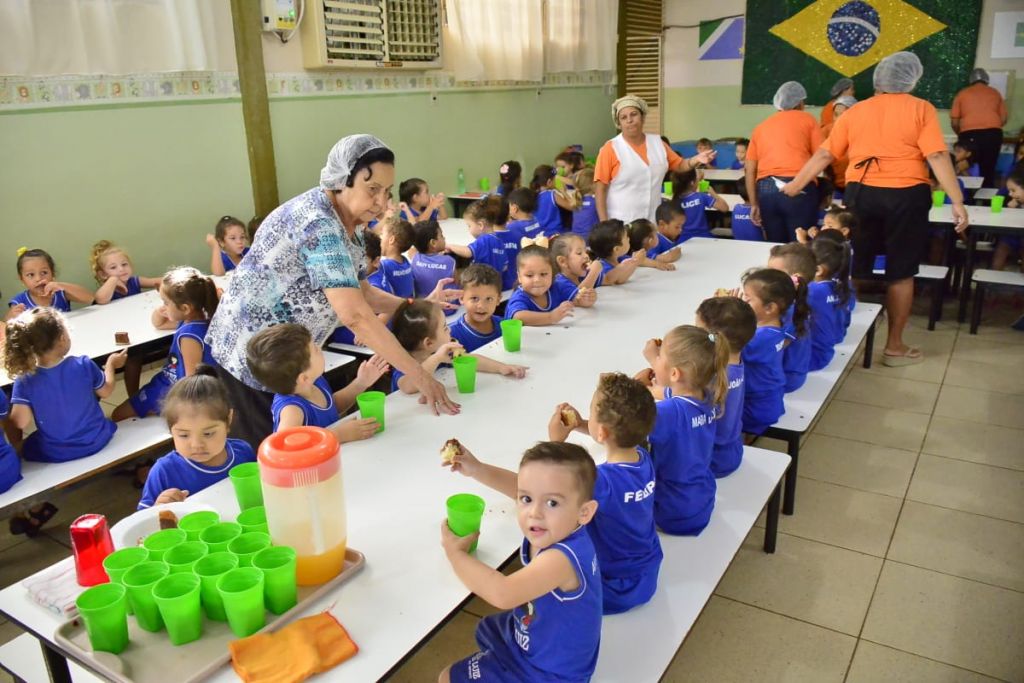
997, 203
180, 558
280, 591
704, 186
938, 198
104, 610
512, 334
246, 480
177, 596
195, 522
485, 184
666, 187
242, 592
247, 545
253, 519
120, 561
371, 404
465, 373
138, 582
159, 543
465, 512
209, 569
217, 536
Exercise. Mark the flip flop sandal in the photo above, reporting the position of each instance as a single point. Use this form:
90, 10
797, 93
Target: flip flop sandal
38, 518
18, 525
913, 356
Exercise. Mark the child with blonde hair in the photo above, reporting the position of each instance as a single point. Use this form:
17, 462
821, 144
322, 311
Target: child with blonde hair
584, 217
115, 274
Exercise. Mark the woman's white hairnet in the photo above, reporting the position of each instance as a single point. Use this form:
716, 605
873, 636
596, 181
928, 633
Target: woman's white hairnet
789, 96
898, 73
845, 100
841, 85
978, 75
628, 101
343, 157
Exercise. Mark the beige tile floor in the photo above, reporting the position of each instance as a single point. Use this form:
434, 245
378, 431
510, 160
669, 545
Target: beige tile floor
904, 561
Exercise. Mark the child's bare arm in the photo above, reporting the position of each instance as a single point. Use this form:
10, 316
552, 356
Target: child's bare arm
106, 291
216, 264
485, 364
536, 319
460, 250
72, 291
622, 272
670, 256
368, 373
21, 415
498, 478
114, 362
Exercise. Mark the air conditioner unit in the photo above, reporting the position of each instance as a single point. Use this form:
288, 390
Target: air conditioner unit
372, 34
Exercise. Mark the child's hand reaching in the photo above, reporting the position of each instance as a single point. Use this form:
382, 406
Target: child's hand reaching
356, 429
463, 462
661, 265
558, 430
456, 544
563, 310
171, 496
645, 377
445, 352
517, 371
117, 360
371, 370
588, 297
652, 349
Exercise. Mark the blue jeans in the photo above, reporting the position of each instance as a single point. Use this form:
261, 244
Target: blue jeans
782, 215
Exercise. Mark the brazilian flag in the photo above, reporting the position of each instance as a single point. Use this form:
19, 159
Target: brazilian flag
818, 42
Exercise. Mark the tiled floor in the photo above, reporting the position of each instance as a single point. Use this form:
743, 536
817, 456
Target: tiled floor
904, 561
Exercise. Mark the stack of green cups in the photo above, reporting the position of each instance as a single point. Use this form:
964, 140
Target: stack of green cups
138, 582
209, 570
371, 404
217, 536
465, 512
194, 522
465, 373
177, 598
104, 610
248, 544
181, 557
246, 480
120, 561
159, 543
280, 590
512, 334
253, 519
242, 592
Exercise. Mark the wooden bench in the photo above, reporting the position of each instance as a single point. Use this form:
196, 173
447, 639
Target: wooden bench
23, 658
985, 279
805, 404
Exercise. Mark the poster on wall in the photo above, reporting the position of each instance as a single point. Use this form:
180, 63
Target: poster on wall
818, 42
1008, 35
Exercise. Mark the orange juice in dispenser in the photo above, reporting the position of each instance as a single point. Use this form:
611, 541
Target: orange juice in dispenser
304, 494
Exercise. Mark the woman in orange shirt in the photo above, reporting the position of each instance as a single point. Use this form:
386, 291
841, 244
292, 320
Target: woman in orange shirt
887, 185
843, 88
841, 104
978, 116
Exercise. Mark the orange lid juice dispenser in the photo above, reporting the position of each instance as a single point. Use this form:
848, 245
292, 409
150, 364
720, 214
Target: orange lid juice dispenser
304, 494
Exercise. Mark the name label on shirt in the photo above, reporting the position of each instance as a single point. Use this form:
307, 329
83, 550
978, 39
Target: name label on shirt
637, 496
736, 383
699, 420
433, 266
832, 299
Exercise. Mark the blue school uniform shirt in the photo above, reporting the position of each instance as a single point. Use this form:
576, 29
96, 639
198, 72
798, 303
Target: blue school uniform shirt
827, 322
624, 534
681, 445
396, 277
527, 227
765, 379
736, 165
796, 359
227, 262
134, 286
567, 289
743, 227
469, 337
695, 205
312, 414
69, 421
148, 400
555, 637
427, 269
728, 451
178, 472
521, 301
664, 244
489, 249
512, 237
59, 301
416, 214
10, 463
585, 217
547, 214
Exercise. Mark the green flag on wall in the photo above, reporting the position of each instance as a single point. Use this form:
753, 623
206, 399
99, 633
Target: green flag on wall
818, 42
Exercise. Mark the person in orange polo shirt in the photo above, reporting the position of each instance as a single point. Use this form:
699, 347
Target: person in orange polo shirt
841, 104
779, 147
978, 116
843, 88
887, 185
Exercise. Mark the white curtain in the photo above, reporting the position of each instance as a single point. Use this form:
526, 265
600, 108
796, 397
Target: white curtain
52, 37
495, 40
580, 35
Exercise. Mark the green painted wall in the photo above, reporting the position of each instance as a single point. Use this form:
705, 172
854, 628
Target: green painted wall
156, 178
715, 112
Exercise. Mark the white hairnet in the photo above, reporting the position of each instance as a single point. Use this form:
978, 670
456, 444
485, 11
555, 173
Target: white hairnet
789, 96
845, 100
898, 73
343, 157
978, 75
628, 101
841, 85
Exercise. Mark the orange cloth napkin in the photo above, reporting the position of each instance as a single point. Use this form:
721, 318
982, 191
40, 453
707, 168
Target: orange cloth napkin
296, 652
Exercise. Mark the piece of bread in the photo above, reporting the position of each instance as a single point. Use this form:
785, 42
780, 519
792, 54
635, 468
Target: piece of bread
167, 519
722, 291
121, 339
658, 341
451, 448
569, 418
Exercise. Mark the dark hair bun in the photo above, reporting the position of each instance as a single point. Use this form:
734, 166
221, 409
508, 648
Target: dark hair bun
206, 370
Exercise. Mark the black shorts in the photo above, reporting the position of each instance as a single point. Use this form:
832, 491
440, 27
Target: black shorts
253, 419
892, 221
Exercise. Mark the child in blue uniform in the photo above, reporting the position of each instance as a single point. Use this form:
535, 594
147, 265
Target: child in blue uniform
644, 241
481, 294
228, 245
487, 248
695, 204
341, 334
1008, 247
770, 293
430, 264
555, 194
420, 328
585, 216
670, 220
510, 176
198, 416
58, 391
828, 298
838, 226
190, 300
689, 380
497, 212
733, 318
114, 273
621, 416
536, 302
741, 155
798, 262
36, 271
578, 277
10, 463
607, 242
419, 204
522, 202
552, 630
743, 227
395, 270
284, 359
705, 146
